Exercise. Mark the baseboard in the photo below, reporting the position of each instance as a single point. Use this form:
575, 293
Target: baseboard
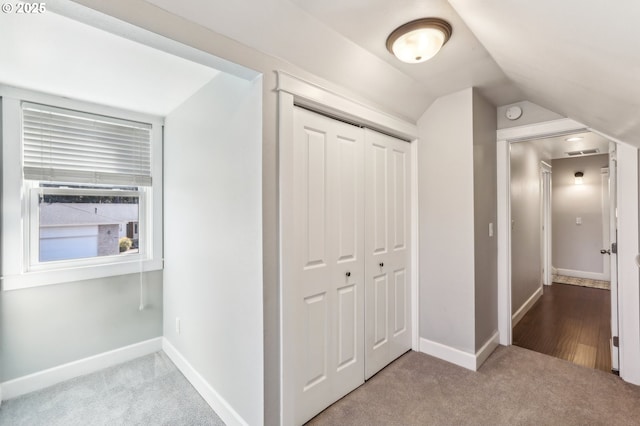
515, 318
222, 408
581, 274
447, 353
51, 376
487, 349
458, 357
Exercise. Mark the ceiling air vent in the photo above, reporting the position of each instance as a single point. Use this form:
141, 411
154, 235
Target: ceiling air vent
585, 152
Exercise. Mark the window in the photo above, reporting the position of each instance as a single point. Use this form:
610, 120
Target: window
91, 205
83, 222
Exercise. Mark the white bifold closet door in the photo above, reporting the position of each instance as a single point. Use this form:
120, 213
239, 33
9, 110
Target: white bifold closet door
351, 214
329, 263
387, 250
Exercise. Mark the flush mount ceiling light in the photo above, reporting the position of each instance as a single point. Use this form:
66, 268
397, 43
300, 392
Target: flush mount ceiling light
574, 139
578, 178
419, 40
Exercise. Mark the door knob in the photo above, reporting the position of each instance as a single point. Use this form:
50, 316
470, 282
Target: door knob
381, 264
603, 251
348, 274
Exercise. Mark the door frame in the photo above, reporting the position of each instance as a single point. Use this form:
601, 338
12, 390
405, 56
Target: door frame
628, 240
293, 91
606, 220
546, 174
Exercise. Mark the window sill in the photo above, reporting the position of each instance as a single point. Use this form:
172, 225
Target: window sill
59, 276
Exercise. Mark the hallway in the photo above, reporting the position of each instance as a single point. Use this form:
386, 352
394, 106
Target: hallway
571, 323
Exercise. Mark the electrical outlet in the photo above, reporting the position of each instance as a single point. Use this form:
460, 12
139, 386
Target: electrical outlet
178, 325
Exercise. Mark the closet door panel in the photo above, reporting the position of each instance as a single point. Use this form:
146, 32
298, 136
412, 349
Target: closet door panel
327, 289
387, 250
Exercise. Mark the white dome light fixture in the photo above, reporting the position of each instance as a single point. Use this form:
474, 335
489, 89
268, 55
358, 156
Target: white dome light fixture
420, 40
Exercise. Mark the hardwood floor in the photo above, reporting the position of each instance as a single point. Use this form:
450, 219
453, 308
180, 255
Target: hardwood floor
571, 323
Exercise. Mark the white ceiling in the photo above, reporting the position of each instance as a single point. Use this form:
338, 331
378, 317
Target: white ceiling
57, 55
557, 147
578, 58
463, 62
344, 42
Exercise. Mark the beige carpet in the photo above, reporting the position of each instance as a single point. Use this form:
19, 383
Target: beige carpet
583, 282
514, 387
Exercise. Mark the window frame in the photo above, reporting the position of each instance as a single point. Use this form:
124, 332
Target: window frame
18, 217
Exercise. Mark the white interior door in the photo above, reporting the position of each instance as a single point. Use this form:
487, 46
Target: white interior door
613, 259
387, 250
327, 286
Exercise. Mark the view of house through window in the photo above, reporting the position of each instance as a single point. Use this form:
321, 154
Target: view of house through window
77, 223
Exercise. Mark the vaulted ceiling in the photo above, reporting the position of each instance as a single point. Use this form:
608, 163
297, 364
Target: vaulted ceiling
578, 58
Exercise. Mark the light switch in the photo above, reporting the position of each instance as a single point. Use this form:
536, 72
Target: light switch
578, 221
491, 229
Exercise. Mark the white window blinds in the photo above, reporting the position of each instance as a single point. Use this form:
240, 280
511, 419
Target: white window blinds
69, 146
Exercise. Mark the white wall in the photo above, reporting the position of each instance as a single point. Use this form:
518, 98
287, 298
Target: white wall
213, 239
577, 247
446, 221
43, 327
485, 212
149, 17
526, 263
531, 114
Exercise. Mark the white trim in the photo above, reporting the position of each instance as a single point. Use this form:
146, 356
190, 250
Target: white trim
504, 242
415, 249
534, 131
40, 278
522, 311
582, 274
487, 349
605, 204
546, 234
323, 100
286, 302
447, 353
628, 277
457, 356
51, 376
613, 262
222, 408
